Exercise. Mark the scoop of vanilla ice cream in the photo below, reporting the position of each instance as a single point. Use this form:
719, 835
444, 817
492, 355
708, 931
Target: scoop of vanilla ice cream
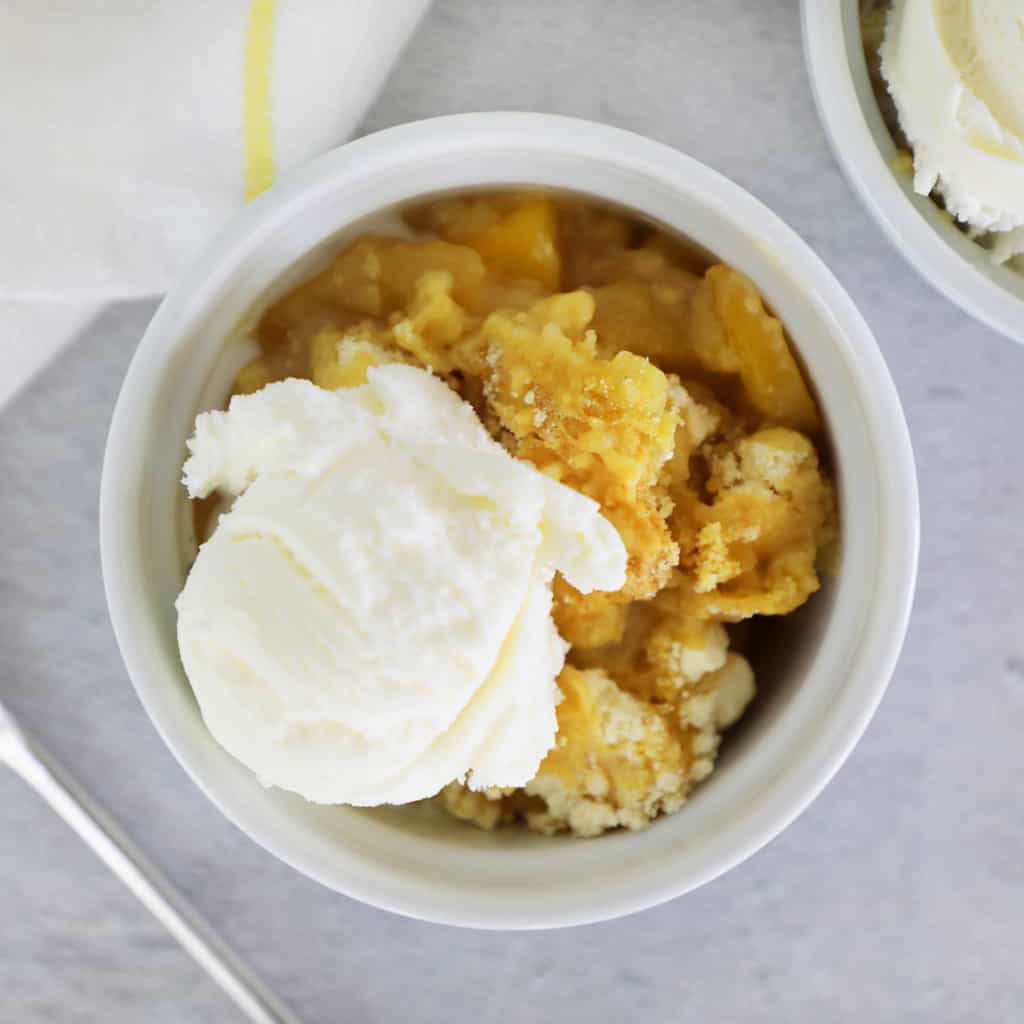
372, 617
955, 69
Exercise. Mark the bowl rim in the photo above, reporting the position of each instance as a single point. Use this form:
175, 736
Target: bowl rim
957, 267
588, 141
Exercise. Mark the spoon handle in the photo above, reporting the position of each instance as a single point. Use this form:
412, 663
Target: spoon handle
127, 862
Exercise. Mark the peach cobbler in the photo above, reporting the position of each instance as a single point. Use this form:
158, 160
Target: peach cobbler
603, 352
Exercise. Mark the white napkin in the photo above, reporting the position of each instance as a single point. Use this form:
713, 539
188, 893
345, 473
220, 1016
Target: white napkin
131, 131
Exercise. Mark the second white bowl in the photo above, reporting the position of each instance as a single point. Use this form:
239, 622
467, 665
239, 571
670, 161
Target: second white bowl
954, 265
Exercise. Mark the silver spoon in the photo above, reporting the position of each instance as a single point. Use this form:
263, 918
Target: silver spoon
154, 891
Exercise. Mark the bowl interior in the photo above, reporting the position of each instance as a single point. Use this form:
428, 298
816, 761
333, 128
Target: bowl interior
820, 679
783, 647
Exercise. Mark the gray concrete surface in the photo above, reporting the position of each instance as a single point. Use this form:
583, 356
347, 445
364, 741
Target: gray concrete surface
899, 896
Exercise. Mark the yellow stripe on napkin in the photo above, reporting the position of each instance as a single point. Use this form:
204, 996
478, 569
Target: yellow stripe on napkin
259, 146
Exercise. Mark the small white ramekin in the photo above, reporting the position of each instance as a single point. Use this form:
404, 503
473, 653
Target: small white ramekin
953, 264
832, 661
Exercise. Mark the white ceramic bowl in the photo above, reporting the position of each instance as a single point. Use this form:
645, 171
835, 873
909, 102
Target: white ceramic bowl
942, 254
832, 662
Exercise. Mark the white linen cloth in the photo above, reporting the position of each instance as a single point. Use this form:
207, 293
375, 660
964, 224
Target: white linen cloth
131, 131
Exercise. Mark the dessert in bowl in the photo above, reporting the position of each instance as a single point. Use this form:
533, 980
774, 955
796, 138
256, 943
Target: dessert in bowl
370, 623
819, 674
920, 102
